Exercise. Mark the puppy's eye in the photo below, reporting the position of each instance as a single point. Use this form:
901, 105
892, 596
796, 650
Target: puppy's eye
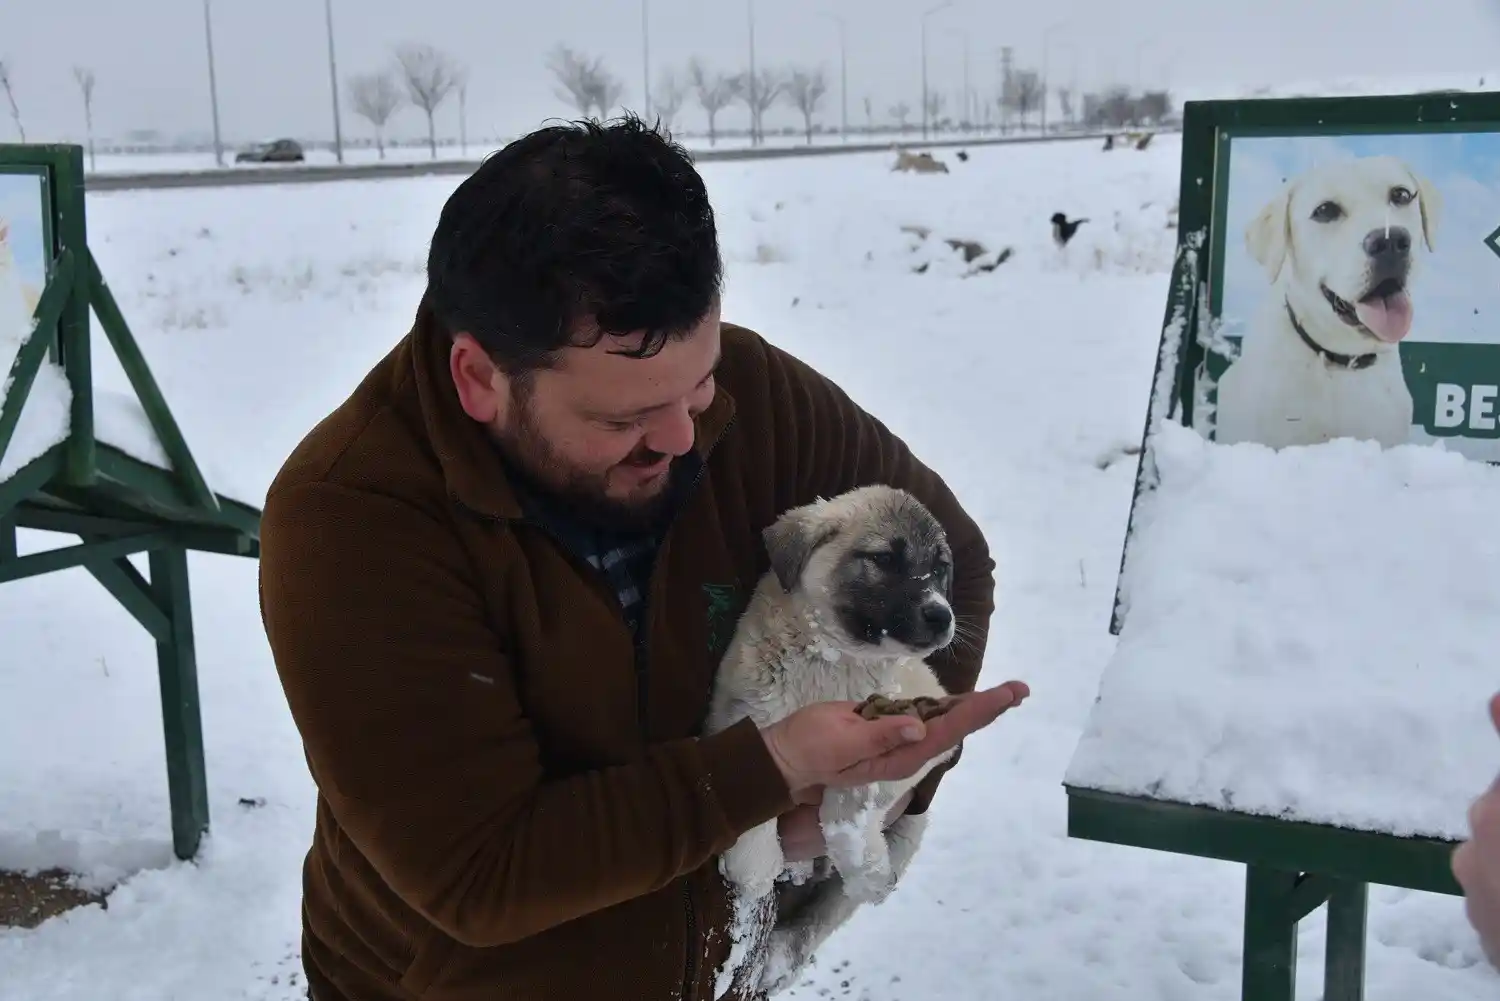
1402, 196
883, 560
1328, 212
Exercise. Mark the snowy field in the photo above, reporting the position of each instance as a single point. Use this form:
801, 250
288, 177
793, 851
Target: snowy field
260, 308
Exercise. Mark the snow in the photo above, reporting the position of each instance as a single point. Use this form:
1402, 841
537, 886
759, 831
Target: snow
1317, 624
260, 309
43, 422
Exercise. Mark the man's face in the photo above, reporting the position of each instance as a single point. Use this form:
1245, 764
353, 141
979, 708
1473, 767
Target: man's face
598, 430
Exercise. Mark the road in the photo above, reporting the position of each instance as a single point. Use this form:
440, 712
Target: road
301, 174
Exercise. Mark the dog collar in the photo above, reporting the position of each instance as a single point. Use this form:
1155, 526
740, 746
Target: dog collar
1355, 362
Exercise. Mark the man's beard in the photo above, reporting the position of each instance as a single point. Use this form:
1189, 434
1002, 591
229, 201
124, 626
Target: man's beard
582, 495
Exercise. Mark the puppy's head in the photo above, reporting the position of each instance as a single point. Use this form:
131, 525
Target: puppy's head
1345, 240
873, 567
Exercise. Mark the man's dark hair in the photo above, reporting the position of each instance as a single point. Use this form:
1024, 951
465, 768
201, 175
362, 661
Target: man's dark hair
576, 225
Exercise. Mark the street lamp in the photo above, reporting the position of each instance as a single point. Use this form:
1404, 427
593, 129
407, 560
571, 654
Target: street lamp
333, 80
1046, 83
754, 98
843, 75
213, 85
925, 102
646, 55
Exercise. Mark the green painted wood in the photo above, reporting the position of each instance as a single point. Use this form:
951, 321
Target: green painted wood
1293, 846
33, 353
182, 724
1269, 971
160, 492
71, 234
29, 479
67, 557
147, 391
1344, 971
121, 579
7, 537
1312, 892
51, 519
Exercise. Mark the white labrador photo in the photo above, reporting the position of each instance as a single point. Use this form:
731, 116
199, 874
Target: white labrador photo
1341, 245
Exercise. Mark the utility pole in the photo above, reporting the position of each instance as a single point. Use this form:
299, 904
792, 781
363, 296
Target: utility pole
754, 97
1007, 87
213, 85
926, 99
333, 80
843, 76
646, 54
968, 114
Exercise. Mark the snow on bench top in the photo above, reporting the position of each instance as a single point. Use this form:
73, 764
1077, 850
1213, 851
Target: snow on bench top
119, 419
1312, 634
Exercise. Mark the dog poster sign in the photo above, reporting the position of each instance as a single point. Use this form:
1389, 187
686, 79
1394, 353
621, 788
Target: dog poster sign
1357, 291
1337, 276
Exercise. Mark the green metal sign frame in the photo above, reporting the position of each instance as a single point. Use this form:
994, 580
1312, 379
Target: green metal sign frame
116, 504
1291, 868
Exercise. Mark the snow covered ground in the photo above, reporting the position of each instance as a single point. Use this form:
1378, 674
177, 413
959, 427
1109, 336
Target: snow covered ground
260, 309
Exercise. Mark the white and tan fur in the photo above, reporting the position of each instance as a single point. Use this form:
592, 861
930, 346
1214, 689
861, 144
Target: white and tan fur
1280, 391
795, 646
17, 301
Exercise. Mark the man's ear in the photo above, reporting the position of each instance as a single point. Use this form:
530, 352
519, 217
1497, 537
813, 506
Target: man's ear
790, 542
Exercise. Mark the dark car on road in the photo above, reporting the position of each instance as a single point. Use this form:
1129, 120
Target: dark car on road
280, 151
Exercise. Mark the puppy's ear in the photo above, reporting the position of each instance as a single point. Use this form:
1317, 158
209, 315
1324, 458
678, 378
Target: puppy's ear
1430, 201
1269, 234
790, 542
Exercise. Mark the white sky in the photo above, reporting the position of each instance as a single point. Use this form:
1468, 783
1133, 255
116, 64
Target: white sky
149, 55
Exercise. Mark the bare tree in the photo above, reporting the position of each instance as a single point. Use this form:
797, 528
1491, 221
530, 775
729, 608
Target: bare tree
716, 91
463, 111
806, 89
1026, 94
901, 112
575, 75
85, 79
760, 95
667, 100
1065, 103
605, 90
869, 115
10, 95
375, 97
935, 104
430, 76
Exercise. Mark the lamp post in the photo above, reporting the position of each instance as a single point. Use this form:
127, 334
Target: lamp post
213, 84
843, 74
1046, 56
333, 80
753, 82
925, 99
646, 55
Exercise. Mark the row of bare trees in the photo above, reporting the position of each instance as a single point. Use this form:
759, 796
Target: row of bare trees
591, 88
420, 76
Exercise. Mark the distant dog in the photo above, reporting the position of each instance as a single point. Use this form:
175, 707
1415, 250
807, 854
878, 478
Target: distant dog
857, 596
1342, 245
919, 163
1064, 229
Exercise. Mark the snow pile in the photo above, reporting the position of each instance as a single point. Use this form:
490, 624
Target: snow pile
1309, 635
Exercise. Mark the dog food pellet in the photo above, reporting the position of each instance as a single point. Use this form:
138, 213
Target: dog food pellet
922, 707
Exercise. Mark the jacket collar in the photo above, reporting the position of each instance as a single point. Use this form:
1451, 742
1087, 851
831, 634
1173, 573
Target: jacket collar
472, 468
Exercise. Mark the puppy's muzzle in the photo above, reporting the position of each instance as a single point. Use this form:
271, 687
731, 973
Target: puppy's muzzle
1389, 251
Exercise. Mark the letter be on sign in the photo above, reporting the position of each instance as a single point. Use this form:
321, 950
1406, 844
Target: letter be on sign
1449, 410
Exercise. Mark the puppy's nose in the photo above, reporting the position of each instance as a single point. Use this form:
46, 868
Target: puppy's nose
1393, 241
937, 616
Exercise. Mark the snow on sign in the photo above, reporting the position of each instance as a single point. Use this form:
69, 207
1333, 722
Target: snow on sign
1306, 608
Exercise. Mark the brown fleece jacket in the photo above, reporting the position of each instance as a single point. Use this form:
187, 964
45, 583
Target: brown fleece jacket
513, 797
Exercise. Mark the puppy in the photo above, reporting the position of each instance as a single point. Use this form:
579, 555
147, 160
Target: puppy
858, 594
1342, 246
1064, 229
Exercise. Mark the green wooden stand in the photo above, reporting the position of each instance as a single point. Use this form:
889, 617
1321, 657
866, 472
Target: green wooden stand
1291, 869
115, 504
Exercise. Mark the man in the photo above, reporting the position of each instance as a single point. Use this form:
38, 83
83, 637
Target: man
497, 581
1476, 862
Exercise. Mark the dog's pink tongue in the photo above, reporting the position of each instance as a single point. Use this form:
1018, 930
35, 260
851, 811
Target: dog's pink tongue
1388, 318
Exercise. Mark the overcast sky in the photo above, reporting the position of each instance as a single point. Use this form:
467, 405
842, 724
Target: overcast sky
271, 55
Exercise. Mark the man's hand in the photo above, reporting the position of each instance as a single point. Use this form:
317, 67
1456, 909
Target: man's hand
801, 832
1476, 863
829, 744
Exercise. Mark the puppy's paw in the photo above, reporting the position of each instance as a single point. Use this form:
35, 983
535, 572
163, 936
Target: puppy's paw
752, 863
786, 958
869, 885
798, 873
